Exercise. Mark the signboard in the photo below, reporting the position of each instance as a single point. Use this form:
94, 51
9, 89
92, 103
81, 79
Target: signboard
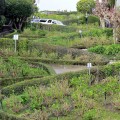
15, 37
89, 65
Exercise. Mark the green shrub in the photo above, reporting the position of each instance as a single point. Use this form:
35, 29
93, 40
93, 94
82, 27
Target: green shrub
98, 49
33, 33
10, 35
6, 116
2, 21
90, 115
111, 70
18, 68
107, 50
95, 32
54, 27
82, 20
93, 19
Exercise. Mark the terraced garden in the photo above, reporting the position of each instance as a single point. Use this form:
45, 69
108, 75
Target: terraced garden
30, 88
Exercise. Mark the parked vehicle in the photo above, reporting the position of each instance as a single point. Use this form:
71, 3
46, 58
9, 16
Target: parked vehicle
47, 21
35, 21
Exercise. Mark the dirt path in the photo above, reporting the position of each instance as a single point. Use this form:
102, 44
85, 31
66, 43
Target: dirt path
59, 69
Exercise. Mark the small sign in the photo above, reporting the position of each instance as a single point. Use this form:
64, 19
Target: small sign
80, 31
15, 37
89, 65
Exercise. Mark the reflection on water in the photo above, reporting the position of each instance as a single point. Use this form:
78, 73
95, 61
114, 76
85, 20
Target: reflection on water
67, 68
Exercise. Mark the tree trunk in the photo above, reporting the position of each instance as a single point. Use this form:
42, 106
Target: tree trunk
102, 23
114, 34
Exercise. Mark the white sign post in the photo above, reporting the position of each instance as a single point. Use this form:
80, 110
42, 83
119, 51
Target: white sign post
15, 37
89, 65
80, 31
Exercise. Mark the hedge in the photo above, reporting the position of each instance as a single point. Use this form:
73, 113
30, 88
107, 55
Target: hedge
32, 34
9, 81
18, 88
69, 62
82, 20
6, 116
95, 32
99, 74
45, 67
10, 35
106, 49
54, 27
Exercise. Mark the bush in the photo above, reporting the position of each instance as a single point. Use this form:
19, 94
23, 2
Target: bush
6, 42
82, 20
98, 49
19, 87
111, 70
6, 116
2, 21
33, 32
107, 50
10, 35
93, 19
54, 27
95, 32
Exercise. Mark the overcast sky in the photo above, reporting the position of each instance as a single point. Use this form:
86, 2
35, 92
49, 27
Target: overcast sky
118, 2
69, 5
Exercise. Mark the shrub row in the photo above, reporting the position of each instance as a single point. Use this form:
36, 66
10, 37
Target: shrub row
10, 35
6, 116
22, 43
45, 67
53, 27
9, 81
103, 72
82, 20
33, 33
98, 32
18, 88
107, 50
5, 42
69, 62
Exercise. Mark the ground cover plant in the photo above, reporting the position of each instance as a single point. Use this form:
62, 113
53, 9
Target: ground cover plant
67, 99
17, 68
107, 50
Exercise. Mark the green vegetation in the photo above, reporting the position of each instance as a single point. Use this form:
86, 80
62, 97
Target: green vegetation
113, 49
84, 6
17, 68
30, 88
68, 97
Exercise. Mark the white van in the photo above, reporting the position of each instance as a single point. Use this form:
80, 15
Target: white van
47, 21
35, 21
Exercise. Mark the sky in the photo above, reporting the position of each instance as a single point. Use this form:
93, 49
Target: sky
54, 5
118, 2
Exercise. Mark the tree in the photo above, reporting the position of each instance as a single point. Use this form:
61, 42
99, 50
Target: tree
18, 11
2, 7
85, 6
2, 10
111, 13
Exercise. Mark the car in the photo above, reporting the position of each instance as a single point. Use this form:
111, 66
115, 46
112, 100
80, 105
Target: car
57, 22
35, 21
47, 21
